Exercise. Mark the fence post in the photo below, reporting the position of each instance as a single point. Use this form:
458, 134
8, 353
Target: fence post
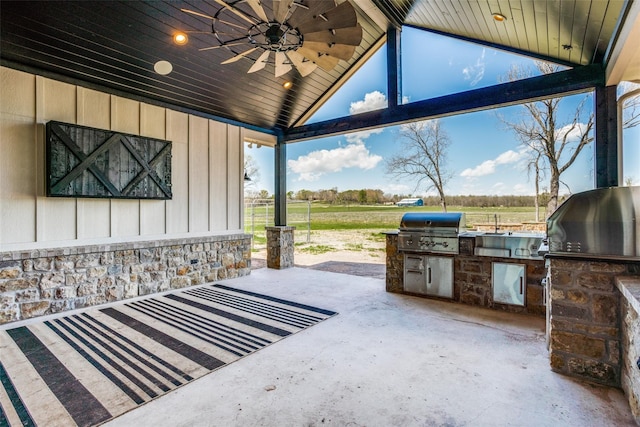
308, 221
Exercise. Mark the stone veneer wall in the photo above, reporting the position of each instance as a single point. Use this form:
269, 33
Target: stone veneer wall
395, 265
585, 318
472, 283
472, 277
40, 282
280, 247
630, 328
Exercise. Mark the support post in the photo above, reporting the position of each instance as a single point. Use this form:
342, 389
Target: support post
280, 247
394, 67
606, 137
280, 193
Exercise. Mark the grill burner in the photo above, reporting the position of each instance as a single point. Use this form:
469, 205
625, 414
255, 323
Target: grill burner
430, 232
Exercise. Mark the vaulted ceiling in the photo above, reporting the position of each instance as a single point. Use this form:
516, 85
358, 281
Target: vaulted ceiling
114, 45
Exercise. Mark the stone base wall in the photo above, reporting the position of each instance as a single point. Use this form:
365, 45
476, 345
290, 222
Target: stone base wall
585, 328
395, 264
630, 328
42, 282
472, 283
280, 247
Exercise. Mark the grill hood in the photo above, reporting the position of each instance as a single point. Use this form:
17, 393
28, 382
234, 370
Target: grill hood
601, 222
426, 221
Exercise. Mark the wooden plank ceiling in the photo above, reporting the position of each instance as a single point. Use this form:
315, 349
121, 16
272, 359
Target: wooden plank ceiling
115, 44
572, 32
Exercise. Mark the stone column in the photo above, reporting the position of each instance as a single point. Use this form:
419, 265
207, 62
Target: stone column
280, 247
395, 264
585, 319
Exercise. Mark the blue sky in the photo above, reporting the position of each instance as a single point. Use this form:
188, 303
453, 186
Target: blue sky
484, 158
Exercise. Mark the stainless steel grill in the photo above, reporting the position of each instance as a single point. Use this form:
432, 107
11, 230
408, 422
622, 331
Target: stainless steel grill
430, 232
597, 223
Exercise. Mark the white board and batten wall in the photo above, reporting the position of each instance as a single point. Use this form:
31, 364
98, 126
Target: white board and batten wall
207, 170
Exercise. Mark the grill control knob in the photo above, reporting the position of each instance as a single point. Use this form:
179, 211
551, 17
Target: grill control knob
445, 244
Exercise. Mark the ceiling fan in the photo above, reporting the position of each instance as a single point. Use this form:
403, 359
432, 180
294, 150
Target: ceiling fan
304, 34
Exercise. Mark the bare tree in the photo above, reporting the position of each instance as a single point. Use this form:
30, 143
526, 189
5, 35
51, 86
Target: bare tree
423, 157
559, 142
631, 107
251, 176
534, 163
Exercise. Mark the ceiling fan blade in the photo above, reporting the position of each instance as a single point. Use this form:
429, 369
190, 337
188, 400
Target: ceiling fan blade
308, 10
341, 51
256, 5
193, 12
351, 36
302, 64
236, 11
281, 9
282, 67
220, 45
341, 16
260, 62
238, 56
325, 62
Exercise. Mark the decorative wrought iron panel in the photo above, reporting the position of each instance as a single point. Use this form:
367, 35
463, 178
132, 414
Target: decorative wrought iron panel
88, 162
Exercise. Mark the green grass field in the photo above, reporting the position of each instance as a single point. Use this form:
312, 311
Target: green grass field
352, 217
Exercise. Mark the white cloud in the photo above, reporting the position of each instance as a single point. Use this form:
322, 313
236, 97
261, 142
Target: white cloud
475, 72
489, 166
572, 134
359, 137
317, 163
397, 189
485, 168
372, 101
521, 189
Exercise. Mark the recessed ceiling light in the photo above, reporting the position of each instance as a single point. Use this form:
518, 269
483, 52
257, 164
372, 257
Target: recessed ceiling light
163, 67
180, 39
287, 85
499, 17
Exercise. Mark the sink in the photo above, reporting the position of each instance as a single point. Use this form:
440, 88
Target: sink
497, 252
508, 245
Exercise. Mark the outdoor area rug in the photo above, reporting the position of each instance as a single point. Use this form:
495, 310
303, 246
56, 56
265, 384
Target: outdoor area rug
86, 368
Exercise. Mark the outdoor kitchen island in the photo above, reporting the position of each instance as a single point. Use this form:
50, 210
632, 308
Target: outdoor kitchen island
470, 267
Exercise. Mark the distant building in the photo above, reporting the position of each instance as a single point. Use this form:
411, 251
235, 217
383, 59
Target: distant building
410, 202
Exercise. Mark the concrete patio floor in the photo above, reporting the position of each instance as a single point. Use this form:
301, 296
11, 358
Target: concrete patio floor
387, 360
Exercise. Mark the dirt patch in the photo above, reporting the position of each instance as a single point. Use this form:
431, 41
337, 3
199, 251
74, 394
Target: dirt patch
351, 246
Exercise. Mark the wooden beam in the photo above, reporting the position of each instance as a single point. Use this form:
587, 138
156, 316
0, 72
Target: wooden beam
606, 137
280, 191
567, 82
394, 68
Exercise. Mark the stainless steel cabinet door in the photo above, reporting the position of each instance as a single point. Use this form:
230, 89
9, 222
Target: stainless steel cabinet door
415, 274
439, 276
509, 284
428, 275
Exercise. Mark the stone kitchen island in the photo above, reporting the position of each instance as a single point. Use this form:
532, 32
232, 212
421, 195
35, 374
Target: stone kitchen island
474, 276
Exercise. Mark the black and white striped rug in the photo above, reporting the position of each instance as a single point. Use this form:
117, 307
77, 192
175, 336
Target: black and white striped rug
83, 369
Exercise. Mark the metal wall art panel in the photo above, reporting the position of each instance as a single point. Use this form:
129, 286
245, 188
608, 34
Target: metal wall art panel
89, 162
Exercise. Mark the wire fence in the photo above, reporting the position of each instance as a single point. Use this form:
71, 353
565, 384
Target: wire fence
259, 214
